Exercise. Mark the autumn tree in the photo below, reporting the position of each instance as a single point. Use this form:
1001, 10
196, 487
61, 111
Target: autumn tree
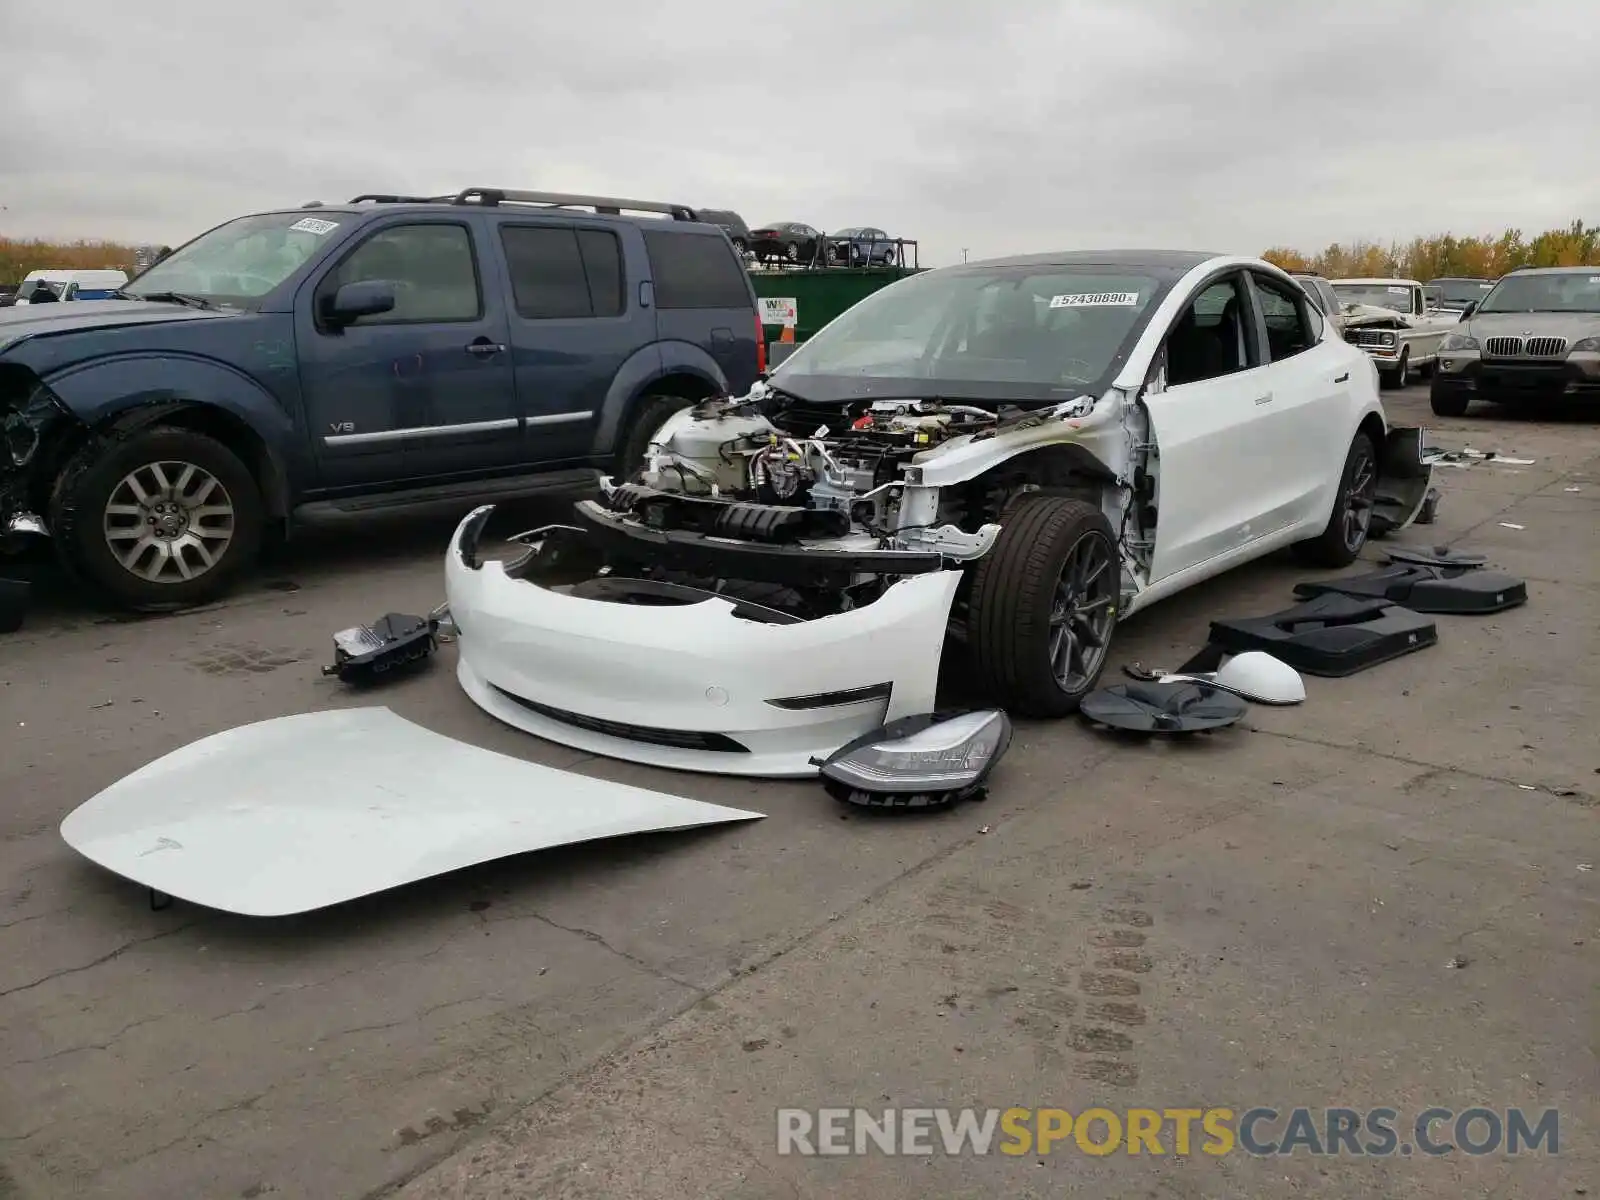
1486, 257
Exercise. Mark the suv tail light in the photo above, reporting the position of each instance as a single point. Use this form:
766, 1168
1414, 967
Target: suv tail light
761, 345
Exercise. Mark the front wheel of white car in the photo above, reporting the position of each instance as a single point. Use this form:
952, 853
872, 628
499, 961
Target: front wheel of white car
1043, 606
1345, 535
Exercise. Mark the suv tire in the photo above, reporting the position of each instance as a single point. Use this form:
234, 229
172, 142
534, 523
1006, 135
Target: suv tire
159, 519
651, 415
1401, 373
1345, 536
1040, 600
1448, 402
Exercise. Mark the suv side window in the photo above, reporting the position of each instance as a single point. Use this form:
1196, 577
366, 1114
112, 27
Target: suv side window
694, 270
432, 267
559, 271
1211, 338
1289, 330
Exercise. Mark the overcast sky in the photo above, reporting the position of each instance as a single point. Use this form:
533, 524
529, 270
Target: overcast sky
1017, 125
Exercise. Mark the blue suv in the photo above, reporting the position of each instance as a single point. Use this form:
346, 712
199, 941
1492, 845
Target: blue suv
388, 353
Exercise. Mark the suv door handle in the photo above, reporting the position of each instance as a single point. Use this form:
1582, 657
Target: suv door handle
1345, 378
483, 347
1267, 399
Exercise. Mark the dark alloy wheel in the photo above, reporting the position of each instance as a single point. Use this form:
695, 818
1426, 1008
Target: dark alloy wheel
1043, 606
1083, 613
1350, 523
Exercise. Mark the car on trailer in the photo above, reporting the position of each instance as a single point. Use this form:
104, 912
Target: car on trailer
863, 246
787, 241
1015, 454
382, 355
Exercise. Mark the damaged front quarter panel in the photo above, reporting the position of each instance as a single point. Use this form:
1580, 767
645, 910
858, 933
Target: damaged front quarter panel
35, 429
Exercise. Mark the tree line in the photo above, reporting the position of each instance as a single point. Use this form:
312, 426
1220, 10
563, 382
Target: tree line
1487, 257
18, 257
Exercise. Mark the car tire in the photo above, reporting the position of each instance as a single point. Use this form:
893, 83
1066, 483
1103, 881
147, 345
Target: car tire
1398, 377
1054, 572
739, 245
157, 520
792, 252
1349, 525
1451, 402
651, 415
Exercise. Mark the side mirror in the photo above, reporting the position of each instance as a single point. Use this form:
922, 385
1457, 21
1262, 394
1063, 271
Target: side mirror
356, 300
1472, 307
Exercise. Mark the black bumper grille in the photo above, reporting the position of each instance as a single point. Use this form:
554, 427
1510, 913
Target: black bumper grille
682, 739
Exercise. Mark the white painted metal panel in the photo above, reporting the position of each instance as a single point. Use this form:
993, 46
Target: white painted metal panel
297, 813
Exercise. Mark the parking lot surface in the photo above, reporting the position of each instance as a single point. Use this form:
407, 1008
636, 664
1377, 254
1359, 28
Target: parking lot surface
1377, 899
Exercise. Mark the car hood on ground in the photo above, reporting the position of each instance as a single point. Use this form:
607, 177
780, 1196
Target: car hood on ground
1571, 326
79, 316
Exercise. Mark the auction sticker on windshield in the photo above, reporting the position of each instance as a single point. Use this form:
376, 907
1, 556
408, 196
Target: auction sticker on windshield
313, 225
1096, 300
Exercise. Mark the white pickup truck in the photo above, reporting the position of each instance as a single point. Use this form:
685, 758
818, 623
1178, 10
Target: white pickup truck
1395, 322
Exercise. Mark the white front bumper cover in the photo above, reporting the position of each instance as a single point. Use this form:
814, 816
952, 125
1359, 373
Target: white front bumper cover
693, 687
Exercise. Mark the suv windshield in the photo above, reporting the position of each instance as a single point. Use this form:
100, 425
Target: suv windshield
1455, 293
1377, 295
1574, 293
1030, 333
241, 261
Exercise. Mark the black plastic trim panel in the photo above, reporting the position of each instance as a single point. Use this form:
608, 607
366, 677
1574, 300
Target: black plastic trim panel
683, 739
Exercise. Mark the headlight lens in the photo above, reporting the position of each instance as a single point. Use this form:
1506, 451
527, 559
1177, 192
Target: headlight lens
921, 761
1587, 346
1387, 339
1458, 341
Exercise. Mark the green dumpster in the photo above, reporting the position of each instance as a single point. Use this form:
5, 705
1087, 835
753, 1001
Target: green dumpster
819, 294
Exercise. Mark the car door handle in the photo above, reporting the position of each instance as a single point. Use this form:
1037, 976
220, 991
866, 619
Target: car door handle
483, 347
1267, 399
1345, 378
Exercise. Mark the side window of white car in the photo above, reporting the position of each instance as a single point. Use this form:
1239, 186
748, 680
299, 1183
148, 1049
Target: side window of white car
1210, 339
1289, 330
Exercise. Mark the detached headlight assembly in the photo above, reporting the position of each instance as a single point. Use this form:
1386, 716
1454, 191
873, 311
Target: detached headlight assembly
1460, 341
931, 760
1586, 346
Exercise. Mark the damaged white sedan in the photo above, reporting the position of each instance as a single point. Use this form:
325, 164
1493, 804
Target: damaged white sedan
1012, 455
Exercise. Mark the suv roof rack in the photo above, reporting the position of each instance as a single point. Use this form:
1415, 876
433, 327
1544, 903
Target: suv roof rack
611, 205
382, 198
493, 197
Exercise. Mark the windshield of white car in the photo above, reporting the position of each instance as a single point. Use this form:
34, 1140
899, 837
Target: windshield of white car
1375, 295
238, 263
1018, 333
1563, 293
1456, 292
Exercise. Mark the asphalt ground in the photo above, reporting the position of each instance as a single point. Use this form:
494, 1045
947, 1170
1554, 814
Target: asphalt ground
1376, 899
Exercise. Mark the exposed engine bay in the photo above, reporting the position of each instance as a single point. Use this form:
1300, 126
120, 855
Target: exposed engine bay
813, 507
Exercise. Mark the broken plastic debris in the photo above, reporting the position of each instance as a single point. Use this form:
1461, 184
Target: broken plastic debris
1585, 866
1457, 963
1511, 525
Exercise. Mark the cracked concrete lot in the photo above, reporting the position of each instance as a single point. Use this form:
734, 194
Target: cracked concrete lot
1371, 900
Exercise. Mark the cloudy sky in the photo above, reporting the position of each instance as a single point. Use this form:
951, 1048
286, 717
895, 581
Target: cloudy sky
1018, 125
